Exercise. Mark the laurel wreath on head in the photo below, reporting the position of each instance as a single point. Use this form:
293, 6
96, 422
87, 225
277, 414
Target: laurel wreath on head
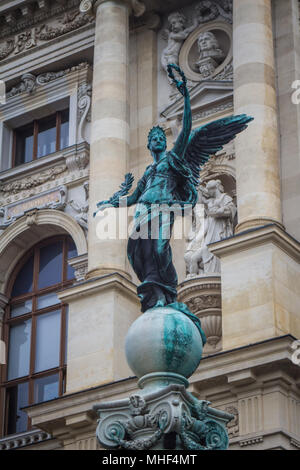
172, 76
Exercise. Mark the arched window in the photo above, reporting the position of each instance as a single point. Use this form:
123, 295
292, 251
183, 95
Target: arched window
35, 329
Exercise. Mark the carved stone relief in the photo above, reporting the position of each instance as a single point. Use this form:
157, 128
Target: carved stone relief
36, 35
71, 165
207, 51
33, 181
82, 209
233, 425
203, 298
84, 107
54, 199
199, 40
29, 82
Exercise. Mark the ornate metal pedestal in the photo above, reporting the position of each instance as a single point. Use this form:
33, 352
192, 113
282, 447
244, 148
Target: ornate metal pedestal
163, 348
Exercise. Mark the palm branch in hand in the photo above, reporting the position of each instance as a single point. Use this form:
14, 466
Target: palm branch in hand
123, 191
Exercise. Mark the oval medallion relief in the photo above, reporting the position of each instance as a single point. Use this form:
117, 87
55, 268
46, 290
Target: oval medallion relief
207, 51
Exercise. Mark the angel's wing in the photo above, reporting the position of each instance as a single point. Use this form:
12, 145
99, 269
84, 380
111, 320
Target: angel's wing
209, 139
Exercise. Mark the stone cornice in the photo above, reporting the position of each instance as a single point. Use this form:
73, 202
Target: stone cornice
268, 234
57, 412
19, 15
241, 364
90, 6
109, 281
251, 358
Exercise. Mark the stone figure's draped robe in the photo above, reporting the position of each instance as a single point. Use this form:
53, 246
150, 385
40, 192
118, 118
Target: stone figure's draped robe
217, 228
165, 189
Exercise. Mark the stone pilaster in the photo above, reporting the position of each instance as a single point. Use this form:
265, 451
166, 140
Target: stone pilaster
257, 154
110, 127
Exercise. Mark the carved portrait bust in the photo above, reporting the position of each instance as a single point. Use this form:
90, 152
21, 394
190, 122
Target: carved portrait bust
210, 53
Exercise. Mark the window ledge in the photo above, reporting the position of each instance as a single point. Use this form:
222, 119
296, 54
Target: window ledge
15, 441
42, 163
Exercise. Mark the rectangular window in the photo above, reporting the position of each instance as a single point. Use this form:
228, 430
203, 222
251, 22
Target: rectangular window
19, 350
46, 388
41, 137
17, 398
47, 341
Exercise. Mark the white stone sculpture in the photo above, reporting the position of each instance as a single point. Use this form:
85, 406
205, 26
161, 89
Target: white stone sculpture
176, 34
82, 209
219, 213
210, 54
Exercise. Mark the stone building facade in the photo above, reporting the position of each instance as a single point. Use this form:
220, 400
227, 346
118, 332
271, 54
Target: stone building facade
85, 81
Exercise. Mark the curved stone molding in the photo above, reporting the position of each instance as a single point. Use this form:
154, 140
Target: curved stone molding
19, 237
189, 48
84, 106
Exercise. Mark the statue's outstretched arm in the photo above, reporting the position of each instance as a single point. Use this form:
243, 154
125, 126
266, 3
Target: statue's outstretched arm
125, 187
183, 138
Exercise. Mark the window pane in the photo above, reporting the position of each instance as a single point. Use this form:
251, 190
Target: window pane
46, 136
50, 265
66, 339
47, 341
24, 145
64, 129
17, 397
72, 252
19, 350
23, 282
21, 309
46, 388
46, 300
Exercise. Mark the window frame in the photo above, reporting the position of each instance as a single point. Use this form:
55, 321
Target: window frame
33, 315
58, 120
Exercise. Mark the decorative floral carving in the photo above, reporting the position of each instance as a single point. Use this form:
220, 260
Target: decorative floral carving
197, 304
27, 84
208, 11
6, 50
33, 181
30, 38
80, 266
30, 82
69, 22
233, 425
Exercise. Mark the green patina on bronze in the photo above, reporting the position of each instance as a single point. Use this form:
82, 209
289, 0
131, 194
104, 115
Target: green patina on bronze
171, 180
177, 340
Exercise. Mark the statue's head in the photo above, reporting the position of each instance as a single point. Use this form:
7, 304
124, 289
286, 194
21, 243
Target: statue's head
207, 42
177, 22
157, 141
214, 187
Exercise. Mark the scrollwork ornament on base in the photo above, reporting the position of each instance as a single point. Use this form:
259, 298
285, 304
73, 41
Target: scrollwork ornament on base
86, 6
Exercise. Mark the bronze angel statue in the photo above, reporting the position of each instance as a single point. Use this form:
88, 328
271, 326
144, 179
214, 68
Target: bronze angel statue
172, 178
